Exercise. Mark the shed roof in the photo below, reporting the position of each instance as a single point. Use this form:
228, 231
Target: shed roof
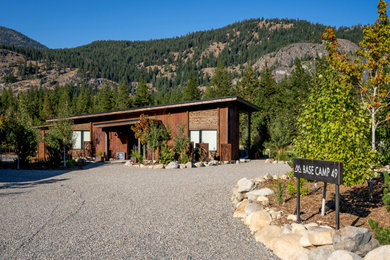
242, 104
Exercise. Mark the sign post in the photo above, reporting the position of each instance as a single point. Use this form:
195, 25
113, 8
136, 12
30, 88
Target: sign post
318, 170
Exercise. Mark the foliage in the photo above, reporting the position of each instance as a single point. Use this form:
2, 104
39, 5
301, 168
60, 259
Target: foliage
220, 85
167, 154
141, 129
381, 234
279, 191
333, 126
191, 91
70, 163
386, 191
292, 187
59, 140
143, 97
99, 153
156, 135
375, 61
279, 136
136, 154
181, 142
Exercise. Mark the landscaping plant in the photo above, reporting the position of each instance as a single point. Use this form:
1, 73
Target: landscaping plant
381, 234
181, 143
136, 154
167, 154
279, 191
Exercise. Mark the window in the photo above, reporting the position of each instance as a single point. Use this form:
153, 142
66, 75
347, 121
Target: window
79, 137
205, 136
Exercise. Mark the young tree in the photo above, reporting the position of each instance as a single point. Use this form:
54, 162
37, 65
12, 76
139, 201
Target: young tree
191, 91
332, 125
142, 97
59, 140
47, 109
375, 61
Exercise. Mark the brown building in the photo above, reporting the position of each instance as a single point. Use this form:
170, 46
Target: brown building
211, 121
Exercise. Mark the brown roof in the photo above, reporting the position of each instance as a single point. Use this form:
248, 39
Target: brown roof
243, 105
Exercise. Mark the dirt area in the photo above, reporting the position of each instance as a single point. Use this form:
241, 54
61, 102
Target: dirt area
355, 209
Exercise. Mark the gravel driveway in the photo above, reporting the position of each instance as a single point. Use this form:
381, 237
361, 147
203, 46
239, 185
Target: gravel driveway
112, 211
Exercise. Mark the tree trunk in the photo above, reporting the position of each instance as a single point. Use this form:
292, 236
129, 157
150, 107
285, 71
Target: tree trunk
18, 160
373, 129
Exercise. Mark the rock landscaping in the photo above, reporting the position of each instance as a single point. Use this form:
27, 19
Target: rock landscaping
177, 165
275, 226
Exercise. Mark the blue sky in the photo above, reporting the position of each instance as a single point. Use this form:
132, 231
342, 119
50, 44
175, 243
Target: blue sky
70, 23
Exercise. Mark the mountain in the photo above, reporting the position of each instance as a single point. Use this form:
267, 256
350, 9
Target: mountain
166, 63
13, 38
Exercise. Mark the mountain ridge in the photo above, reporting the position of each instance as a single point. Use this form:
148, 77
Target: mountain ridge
12, 37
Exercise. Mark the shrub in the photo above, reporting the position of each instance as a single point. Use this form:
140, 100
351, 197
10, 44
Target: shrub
292, 187
181, 143
70, 163
279, 191
167, 154
381, 233
386, 191
136, 154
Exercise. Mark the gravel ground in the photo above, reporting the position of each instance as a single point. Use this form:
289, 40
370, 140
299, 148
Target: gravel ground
112, 211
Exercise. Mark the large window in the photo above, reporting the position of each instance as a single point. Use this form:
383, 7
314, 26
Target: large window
79, 137
205, 136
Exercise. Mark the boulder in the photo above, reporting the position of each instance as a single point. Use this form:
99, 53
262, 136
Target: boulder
287, 229
298, 228
252, 207
275, 177
240, 196
189, 165
380, 253
320, 236
182, 166
240, 211
267, 176
311, 224
275, 214
350, 238
172, 165
284, 177
304, 241
245, 185
199, 164
343, 255
286, 246
212, 163
265, 192
142, 165
292, 217
242, 160
253, 195
319, 253
158, 166
266, 234
263, 200
269, 161
259, 219
128, 163
364, 249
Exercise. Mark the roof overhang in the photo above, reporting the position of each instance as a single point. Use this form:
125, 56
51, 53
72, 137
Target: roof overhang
241, 103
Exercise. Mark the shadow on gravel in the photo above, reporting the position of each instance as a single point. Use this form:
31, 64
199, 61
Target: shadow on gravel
20, 185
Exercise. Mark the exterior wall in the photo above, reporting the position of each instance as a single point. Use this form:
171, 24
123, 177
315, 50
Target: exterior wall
223, 117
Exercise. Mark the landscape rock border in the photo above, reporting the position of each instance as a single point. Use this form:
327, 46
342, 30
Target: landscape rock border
177, 165
309, 241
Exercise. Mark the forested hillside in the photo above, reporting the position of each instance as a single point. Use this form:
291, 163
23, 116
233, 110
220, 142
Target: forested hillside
13, 38
167, 63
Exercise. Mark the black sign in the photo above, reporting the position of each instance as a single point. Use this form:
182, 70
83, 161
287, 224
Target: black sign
317, 170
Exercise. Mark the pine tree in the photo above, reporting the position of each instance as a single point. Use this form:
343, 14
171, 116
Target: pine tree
47, 109
142, 97
122, 99
248, 87
105, 99
221, 84
191, 91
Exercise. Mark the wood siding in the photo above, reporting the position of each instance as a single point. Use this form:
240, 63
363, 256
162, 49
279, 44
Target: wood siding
203, 119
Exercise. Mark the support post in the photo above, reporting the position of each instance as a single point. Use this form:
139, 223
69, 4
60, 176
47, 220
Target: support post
323, 199
249, 134
337, 207
139, 146
299, 200
106, 145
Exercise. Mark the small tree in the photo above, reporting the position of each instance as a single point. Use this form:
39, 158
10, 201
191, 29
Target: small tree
156, 135
142, 97
375, 54
181, 142
59, 140
333, 125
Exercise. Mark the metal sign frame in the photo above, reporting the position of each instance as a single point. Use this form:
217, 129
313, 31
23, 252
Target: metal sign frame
319, 170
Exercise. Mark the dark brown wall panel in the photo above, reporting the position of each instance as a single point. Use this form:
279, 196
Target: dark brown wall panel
203, 119
234, 131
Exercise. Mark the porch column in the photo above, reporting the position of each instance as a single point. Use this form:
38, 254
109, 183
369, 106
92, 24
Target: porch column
139, 146
106, 145
249, 134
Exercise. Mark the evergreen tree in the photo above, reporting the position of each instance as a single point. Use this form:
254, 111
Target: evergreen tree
249, 86
142, 97
191, 91
122, 99
47, 109
221, 84
105, 99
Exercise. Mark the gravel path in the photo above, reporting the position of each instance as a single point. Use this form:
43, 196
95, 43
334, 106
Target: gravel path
113, 211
